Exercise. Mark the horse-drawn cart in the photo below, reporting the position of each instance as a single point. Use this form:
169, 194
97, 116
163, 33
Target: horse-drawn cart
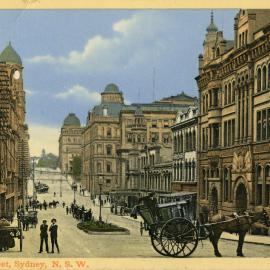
175, 232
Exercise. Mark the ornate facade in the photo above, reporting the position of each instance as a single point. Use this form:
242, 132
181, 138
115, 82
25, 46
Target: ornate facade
234, 112
70, 142
101, 139
184, 134
146, 147
14, 151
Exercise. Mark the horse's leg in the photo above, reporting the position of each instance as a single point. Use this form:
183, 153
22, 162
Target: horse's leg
239, 251
214, 237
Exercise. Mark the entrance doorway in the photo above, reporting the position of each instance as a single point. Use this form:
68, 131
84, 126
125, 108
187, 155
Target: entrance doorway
241, 199
214, 201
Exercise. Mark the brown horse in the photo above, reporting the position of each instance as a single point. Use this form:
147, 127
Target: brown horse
233, 224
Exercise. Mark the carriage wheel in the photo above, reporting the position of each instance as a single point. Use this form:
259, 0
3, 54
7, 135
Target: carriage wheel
156, 242
179, 237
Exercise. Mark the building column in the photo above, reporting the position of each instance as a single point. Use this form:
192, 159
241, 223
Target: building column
263, 186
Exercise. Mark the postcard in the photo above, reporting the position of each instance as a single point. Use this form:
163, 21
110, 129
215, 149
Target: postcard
134, 135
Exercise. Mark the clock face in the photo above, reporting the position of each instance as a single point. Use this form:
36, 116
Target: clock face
16, 75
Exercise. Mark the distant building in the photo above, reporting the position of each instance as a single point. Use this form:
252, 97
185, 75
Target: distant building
234, 115
184, 134
70, 142
14, 151
101, 139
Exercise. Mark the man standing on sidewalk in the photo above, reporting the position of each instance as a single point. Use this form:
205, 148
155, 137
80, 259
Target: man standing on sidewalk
53, 230
44, 236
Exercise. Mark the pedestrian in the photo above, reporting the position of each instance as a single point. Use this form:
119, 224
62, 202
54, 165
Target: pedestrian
54, 194
67, 209
40, 206
94, 202
26, 207
64, 204
53, 229
44, 236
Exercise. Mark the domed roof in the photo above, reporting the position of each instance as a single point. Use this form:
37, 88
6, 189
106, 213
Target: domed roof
111, 88
72, 120
9, 55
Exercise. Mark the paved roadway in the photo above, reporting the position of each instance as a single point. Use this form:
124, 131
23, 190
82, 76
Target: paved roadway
75, 243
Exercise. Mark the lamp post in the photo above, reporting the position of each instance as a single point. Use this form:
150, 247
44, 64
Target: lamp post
61, 185
100, 187
74, 187
33, 177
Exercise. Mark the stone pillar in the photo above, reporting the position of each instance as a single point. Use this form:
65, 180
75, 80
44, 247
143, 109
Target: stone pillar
244, 114
237, 123
263, 186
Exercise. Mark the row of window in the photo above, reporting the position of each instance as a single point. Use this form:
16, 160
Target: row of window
154, 138
108, 167
263, 125
229, 132
188, 140
263, 78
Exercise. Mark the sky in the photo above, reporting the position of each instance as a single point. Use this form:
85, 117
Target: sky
69, 56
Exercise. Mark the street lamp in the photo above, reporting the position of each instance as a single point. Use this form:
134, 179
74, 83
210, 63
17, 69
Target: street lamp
33, 177
74, 187
100, 182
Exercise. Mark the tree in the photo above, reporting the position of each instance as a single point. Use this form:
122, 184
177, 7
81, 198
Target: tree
76, 164
47, 160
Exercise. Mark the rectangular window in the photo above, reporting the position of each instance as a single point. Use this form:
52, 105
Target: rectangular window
233, 131
229, 133
264, 125
109, 167
154, 123
225, 134
129, 137
268, 123
259, 126
166, 123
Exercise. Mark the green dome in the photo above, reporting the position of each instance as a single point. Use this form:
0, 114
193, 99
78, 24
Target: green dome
111, 88
72, 120
9, 55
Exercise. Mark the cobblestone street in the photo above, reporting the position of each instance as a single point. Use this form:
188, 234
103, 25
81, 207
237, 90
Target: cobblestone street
75, 243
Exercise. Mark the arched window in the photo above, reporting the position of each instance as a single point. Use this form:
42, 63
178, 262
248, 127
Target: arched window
109, 132
193, 171
181, 171
233, 91
194, 140
229, 93
267, 171
217, 52
268, 76
226, 184
259, 86
225, 95
264, 78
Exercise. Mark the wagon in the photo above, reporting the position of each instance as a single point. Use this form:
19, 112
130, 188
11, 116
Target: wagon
7, 235
32, 218
170, 228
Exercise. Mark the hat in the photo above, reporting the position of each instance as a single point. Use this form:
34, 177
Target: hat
53, 220
44, 220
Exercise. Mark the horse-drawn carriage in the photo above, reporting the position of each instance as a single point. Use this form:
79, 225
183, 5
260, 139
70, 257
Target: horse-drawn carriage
32, 218
8, 234
174, 230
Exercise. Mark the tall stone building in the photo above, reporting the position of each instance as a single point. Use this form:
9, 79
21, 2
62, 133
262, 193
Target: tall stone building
146, 147
101, 139
70, 142
14, 151
184, 134
234, 110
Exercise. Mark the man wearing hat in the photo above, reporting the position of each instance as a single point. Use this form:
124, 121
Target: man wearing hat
44, 236
53, 230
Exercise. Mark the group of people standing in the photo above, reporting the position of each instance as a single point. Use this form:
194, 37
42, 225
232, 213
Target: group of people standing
44, 235
79, 212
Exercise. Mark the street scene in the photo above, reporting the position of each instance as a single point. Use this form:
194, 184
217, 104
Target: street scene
76, 243
135, 134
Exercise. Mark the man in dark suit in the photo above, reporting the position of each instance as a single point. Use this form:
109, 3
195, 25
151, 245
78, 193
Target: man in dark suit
53, 230
44, 236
